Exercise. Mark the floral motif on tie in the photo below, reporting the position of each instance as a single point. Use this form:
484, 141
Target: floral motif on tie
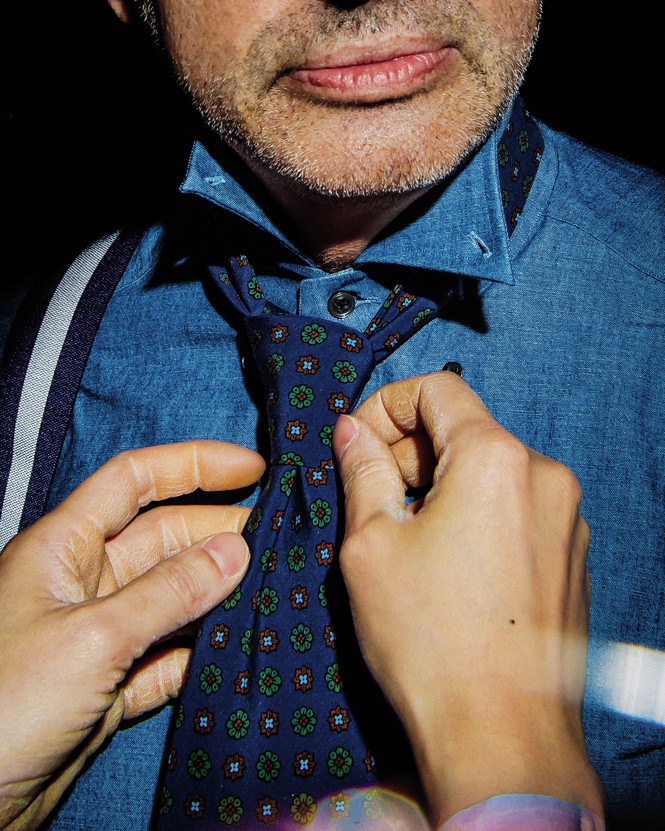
278, 707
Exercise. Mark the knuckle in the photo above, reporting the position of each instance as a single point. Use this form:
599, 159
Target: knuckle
360, 545
134, 473
570, 484
185, 585
93, 634
564, 483
584, 534
123, 462
173, 523
503, 453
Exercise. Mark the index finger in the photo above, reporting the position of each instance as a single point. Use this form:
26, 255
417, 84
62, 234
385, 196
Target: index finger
112, 496
441, 404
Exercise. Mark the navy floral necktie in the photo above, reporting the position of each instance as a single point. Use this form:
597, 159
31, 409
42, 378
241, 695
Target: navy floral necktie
279, 713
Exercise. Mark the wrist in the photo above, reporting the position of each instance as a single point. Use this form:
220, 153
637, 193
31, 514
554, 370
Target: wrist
524, 812
466, 758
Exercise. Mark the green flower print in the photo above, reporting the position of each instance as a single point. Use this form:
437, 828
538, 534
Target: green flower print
232, 600
301, 396
254, 520
269, 681
247, 642
274, 363
210, 679
326, 435
265, 600
237, 724
333, 679
419, 319
286, 481
320, 513
229, 810
374, 804
301, 638
323, 598
313, 334
303, 721
268, 766
291, 458
254, 288
303, 809
344, 371
166, 802
339, 762
295, 559
269, 560
199, 764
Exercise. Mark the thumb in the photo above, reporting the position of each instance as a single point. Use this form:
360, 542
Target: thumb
176, 592
369, 473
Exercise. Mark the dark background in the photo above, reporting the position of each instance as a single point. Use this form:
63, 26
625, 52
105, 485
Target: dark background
92, 130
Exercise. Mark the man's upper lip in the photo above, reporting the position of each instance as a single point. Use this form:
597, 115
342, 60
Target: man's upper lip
359, 55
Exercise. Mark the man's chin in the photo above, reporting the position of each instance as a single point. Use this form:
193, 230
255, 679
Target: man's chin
332, 185
365, 154
385, 172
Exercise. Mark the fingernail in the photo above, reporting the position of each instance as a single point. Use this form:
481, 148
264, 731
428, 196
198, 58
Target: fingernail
229, 551
346, 430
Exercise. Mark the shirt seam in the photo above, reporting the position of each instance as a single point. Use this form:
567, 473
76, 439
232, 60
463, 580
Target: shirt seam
647, 273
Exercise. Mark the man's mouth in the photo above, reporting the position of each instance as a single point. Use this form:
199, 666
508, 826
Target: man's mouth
372, 74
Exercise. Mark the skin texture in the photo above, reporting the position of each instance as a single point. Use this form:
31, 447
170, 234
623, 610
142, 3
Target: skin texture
92, 590
90, 593
359, 157
483, 587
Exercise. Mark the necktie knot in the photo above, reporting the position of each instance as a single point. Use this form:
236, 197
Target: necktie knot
279, 710
312, 371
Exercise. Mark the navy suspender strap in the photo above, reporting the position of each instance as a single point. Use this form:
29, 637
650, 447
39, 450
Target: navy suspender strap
42, 367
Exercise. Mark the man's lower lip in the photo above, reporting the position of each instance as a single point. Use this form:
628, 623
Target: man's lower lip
370, 79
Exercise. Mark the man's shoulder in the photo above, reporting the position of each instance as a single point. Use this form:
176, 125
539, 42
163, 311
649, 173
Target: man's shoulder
128, 256
614, 201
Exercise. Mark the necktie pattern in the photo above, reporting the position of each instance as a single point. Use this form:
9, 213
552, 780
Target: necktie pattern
277, 712
519, 153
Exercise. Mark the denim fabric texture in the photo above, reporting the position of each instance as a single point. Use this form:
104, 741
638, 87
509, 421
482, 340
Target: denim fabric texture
560, 333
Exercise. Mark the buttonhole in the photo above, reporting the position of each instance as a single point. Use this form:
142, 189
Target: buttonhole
215, 180
481, 244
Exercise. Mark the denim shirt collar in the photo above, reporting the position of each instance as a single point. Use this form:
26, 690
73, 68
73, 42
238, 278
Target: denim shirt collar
458, 228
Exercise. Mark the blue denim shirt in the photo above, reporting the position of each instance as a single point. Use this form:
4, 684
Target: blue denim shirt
560, 334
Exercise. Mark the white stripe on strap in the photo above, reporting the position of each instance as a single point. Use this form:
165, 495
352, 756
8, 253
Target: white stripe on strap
39, 377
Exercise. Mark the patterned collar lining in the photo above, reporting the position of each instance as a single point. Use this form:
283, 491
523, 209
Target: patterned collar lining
520, 150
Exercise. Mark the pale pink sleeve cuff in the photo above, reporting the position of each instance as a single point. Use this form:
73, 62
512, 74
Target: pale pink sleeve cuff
524, 812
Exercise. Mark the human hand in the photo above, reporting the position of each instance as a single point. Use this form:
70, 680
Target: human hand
88, 595
470, 605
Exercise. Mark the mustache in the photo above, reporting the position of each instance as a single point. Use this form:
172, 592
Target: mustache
370, 17
281, 44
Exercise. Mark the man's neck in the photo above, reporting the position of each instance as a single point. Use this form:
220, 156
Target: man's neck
333, 230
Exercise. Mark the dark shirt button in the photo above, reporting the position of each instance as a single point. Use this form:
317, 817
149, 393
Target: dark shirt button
341, 304
454, 366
